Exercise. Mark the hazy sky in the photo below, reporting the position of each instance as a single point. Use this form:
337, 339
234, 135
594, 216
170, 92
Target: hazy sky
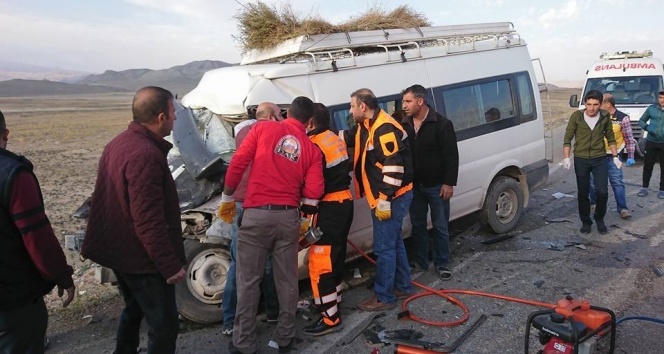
94, 36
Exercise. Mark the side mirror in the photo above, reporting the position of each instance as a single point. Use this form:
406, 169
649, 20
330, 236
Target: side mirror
574, 101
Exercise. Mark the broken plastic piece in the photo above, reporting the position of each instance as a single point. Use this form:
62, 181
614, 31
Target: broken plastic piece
657, 271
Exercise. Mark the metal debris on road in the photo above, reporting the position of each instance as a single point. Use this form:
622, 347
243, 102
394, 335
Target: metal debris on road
559, 195
496, 239
557, 220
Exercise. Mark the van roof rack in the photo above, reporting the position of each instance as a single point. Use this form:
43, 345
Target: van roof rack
625, 55
350, 44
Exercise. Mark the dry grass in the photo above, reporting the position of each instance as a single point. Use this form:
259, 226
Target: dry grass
264, 26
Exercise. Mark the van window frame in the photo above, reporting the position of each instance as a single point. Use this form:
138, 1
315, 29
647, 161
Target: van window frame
396, 98
489, 127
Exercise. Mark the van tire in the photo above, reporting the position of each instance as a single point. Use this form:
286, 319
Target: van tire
200, 294
503, 205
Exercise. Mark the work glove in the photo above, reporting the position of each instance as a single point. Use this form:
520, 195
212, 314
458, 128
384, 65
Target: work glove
383, 210
630, 162
226, 210
616, 161
305, 223
309, 206
567, 163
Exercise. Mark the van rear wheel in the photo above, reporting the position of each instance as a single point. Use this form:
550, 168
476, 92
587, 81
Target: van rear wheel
199, 295
503, 205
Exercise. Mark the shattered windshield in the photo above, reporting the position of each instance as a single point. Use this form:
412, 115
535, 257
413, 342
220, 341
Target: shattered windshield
628, 89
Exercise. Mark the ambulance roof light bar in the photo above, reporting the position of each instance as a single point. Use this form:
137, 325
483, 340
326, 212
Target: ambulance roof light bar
625, 55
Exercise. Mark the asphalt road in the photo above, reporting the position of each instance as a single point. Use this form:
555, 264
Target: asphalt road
537, 263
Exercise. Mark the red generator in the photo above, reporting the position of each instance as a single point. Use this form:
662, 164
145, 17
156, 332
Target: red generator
572, 327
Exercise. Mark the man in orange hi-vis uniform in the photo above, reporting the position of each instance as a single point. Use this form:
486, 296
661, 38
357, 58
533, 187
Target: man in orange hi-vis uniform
335, 215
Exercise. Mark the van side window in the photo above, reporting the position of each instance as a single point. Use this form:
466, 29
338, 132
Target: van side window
526, 99
475, 104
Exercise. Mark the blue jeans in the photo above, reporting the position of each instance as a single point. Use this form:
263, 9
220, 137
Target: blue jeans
229, 303
423, 199
149, 296
392, 269
584, 168
617, 184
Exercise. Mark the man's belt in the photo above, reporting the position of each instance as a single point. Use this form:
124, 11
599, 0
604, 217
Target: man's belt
274, 207
339, 197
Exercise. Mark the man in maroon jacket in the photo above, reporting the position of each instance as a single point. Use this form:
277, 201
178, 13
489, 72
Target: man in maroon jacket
134, 226
286, 168
32, 260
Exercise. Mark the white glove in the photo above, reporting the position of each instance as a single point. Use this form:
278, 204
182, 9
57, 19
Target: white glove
616, 161
567, 163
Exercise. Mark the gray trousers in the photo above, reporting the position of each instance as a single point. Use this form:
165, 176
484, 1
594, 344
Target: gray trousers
262, 232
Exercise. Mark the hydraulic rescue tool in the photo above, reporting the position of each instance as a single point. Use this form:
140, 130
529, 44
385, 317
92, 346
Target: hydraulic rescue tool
572, 327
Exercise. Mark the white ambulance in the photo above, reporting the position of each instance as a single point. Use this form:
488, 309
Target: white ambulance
467, 71
633, 78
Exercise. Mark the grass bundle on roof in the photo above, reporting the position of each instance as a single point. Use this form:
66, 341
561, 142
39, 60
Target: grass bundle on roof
263, 26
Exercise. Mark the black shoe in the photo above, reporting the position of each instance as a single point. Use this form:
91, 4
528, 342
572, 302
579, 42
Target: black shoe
233, 350
415, 268
585, 229
601, 227
444, 273
287, 348
321, 328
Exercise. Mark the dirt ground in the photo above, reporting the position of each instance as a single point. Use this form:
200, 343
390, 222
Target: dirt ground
64, 136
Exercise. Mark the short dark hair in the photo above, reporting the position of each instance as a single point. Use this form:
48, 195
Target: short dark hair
594, 95
302, 109
416, 90
608, 98
149, 102
321, 116
661, 93
366, 96
3, 124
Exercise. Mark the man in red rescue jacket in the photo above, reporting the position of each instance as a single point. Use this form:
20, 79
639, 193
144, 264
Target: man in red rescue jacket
286, 169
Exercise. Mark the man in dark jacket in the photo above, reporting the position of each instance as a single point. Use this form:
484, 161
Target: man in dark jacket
589, 128
32, 260
652, 121
436, 165
134, 225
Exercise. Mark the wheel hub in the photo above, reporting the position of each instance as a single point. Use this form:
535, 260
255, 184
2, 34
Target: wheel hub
207, 277
506, 206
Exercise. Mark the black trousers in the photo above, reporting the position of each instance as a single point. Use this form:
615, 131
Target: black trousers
334, 220
654, 152
149, 296
23, 328
600, 171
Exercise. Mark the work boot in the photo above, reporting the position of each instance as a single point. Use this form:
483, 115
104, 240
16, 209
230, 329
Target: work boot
321, 328
625, 214
585, 228
373, 304
402, 295
601, 227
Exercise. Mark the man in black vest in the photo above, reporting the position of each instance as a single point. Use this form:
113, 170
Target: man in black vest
32, 260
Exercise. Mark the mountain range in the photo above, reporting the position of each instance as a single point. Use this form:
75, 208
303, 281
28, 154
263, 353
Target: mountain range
32, 80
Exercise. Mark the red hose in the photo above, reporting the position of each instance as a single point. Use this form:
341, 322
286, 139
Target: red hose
444, 293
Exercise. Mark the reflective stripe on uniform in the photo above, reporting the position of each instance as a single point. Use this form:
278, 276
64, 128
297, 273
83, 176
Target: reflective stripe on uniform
393, 181
388, 169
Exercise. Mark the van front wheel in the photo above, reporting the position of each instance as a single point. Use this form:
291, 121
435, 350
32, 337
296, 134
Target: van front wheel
503, 205
199, 295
